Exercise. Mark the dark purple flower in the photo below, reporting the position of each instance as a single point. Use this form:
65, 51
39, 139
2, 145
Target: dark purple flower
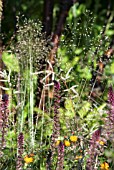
20, 143
4, 113
111, 96
95, 136
56, 122
111, 102
60, 162
93, 149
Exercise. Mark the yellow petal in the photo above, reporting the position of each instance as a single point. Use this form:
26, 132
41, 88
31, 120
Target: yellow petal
73, 138
66, 143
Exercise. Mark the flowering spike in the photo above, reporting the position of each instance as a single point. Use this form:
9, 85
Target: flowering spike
4, 119
95, 136
56, 124
20, 142
60, 162
111, 96
93, 149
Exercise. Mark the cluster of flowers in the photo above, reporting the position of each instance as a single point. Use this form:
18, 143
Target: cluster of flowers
67, 143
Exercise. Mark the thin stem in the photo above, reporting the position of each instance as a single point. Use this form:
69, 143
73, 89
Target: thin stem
31, 99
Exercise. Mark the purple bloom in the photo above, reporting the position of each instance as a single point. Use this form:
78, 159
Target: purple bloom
56, 123
93, 149
60, 162
4, 113
20, 143
95, 137
111, 102
111, 96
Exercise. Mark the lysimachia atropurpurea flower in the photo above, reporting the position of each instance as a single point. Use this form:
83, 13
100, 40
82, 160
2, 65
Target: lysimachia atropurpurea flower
56, 123
20, 143
4, 113
93, 150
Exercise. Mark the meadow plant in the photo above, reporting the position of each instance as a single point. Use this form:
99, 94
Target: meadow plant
4, 113
20, 150
108, 128
60, 161
29, 56
93, 150
56, 121
68, 111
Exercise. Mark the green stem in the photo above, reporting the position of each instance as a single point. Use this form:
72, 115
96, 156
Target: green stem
31, 100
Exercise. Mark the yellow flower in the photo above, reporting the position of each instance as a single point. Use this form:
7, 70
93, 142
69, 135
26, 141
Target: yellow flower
57, 143
28, 159
73, 138
66, 143
101, 142
78, 157
104, 166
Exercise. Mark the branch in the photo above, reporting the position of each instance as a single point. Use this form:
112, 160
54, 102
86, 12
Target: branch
48, 16
65, 6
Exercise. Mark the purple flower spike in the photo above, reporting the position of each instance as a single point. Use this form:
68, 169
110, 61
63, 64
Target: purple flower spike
60, 162
93, 149
109, 121
111, 102
111, 96
95, 136
20, 143
56, 122
56, 85
4, 113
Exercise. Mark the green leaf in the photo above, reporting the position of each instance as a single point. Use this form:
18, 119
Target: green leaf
10, 61
85, 108
69, 108
112, 68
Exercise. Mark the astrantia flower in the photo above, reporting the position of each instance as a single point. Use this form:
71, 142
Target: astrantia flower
104, 166
67, 143
73, 138
28, 159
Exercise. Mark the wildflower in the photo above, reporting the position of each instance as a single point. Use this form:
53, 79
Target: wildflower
67, 143
104, 166
28, 159
73, 138
93, 149
20, 143
57, 143
60, 161
78, 157
56, 121
101, 142
4, 113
